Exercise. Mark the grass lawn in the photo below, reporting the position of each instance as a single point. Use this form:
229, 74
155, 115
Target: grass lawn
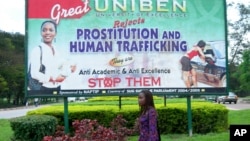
114, 100
195, 137
5, 130
235, 117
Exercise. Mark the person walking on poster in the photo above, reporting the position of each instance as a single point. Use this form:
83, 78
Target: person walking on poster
46, 66
188, 73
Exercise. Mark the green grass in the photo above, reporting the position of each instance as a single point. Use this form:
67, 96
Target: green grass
239, 117
5, 130
234, 117
195, 137
128, 101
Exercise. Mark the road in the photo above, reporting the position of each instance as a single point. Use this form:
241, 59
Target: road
239, 106
16, 112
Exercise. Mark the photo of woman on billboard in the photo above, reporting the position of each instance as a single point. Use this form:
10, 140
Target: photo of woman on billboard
46, 70
187, 69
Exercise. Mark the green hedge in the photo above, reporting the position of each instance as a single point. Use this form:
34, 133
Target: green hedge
116, 98
33, 127
206, 117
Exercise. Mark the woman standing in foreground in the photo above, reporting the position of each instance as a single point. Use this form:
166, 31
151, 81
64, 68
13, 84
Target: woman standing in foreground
148, 117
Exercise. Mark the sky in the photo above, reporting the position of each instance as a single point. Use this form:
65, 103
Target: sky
12, 15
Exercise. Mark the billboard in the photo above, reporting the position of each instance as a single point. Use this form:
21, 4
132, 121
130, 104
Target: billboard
119, 47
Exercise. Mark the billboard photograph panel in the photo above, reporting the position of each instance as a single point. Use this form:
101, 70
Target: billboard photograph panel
119, 47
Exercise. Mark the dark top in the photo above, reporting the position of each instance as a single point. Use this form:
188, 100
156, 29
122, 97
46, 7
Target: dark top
148, 126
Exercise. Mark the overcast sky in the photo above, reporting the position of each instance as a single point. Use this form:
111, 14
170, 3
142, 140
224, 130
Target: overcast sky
12, 14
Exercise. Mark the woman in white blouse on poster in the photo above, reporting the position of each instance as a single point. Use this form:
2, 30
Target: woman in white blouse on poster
55, 69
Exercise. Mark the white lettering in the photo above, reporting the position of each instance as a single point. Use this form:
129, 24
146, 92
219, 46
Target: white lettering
57, 12
99, 9
117, 4
161, 4
176, 4
239, 132
144, 5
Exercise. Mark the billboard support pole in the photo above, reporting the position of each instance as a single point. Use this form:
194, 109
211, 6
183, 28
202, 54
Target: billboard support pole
66, 119
165, 101
120, 102
189, 114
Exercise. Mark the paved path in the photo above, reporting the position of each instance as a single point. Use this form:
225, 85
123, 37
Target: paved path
16, 112
238, 106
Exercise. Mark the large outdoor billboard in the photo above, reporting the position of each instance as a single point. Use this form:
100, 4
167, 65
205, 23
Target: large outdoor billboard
119, 47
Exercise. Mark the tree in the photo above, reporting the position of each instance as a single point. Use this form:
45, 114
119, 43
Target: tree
3, 85
244, 70
239, 32
239, 44
12, 66
234, 75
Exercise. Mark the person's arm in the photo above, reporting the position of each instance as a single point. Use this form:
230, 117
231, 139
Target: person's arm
62, 72
201, 54
66, 66
153, 134
60, 78
35, 65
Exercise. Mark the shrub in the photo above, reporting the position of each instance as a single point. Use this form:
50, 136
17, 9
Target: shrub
115, 98
33, 128
206, 116
91, 130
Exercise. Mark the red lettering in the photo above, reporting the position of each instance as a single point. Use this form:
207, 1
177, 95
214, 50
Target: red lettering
106, 82
135, 22
126, 23
146, 81
92, 82
129, 80
116, 81
116, 24
143, 81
